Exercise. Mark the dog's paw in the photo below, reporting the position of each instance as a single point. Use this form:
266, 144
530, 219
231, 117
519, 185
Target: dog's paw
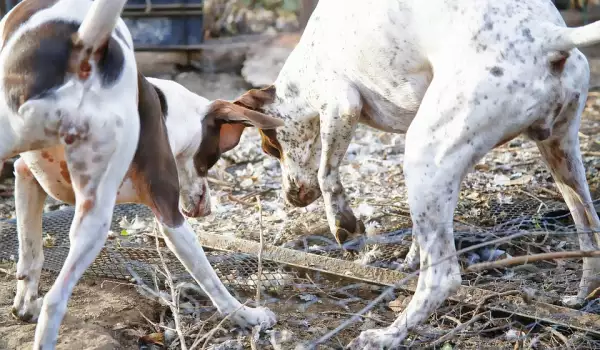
410, 264
407, 266
347, 226
247, 317
573, 301
377, 339
28, 312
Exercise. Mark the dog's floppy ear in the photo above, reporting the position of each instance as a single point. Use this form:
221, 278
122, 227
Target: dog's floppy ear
224, 123
231, 119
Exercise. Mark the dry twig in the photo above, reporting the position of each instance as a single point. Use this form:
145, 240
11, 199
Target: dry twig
240, 201
497, 295
458, 329
260, 251
559, 336
376, 319
174, 304
198, 338
210, 334
518, 260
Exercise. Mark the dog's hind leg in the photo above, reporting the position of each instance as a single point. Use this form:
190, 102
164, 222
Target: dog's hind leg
562, 155
29, 203
98, 149
460, 128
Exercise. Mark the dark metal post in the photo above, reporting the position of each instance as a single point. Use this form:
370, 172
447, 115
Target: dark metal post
306, 9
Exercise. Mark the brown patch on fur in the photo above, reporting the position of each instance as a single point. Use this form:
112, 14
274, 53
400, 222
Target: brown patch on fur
69, 139
42, 57
28, 71
270, 144
47, 156
97, 158
153, 170
556, 156
21, 13
64, 172
85, 69
87, 205
507, 139
557, 64
84, 179
22, 169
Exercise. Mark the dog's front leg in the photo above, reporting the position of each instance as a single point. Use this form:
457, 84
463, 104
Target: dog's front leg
29, 203
157, 183
338, 123
182, 241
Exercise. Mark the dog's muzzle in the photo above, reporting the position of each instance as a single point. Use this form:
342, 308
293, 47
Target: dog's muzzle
196, 207
198, 211
301, 196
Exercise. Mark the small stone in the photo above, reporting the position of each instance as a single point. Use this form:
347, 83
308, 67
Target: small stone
246, 183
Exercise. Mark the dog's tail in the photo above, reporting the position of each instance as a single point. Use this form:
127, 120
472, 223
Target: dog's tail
566, 39
99, 23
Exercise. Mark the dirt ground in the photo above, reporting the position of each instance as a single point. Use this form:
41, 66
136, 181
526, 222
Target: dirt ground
102, 315
113, 315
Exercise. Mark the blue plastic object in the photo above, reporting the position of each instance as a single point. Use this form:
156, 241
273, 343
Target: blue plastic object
164, 25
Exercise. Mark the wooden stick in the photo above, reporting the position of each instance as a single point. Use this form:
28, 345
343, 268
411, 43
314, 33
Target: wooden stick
466, 294
524, 259
457, 330
260, 252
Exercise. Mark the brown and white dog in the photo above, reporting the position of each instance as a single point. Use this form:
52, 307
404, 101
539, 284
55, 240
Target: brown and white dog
92, 131
459, 80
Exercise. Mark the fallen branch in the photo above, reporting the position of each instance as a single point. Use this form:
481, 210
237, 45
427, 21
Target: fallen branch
559, 336
524, 259
468, 295
207, 337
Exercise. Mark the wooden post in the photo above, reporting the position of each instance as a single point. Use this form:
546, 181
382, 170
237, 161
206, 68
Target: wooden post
3, 8
306, 9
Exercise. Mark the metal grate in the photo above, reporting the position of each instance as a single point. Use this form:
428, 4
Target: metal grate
240, 270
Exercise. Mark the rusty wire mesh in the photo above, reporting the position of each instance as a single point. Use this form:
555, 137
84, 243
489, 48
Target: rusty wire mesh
233, 268
240, 271
114, 261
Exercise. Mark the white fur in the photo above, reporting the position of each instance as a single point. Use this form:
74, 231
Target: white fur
458, 79
95, 130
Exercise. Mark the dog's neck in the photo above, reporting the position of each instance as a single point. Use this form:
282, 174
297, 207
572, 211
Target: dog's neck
184, 124
291, 102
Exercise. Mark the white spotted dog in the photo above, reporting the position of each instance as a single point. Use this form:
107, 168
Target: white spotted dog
459, 80
92, 132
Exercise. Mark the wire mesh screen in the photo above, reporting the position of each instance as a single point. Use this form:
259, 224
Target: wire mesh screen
235, 269
240, 269
339, 297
